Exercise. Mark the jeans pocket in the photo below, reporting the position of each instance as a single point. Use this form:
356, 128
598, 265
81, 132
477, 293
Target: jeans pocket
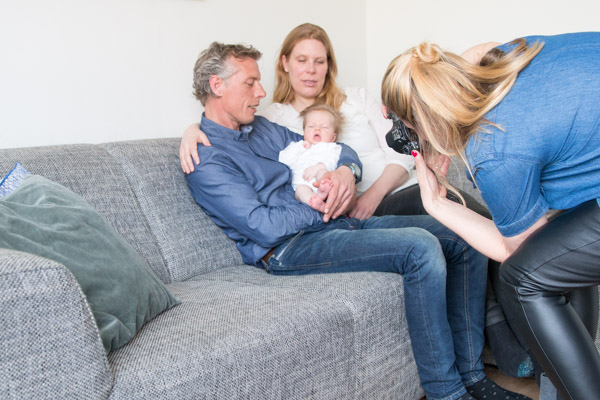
275, 260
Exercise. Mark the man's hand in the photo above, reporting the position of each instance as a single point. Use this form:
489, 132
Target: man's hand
188, 149
342, 194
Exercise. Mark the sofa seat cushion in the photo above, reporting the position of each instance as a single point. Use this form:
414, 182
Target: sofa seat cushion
241, 333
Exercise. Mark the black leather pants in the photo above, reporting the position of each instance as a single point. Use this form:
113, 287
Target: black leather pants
549, 290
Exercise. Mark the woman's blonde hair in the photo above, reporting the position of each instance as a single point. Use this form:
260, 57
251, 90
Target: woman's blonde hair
331, 94
445, 98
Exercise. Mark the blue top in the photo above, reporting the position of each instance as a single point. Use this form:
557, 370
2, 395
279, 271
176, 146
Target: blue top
245, 190
548, 154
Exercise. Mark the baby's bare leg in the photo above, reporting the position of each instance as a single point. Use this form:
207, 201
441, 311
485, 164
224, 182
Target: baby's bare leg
306, 195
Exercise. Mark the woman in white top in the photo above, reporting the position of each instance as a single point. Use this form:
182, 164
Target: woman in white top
306, 70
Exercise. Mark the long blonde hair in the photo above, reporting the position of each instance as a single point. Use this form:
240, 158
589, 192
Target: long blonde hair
331, 94
445, 98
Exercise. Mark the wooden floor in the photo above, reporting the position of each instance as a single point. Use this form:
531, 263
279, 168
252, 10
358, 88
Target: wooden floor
526, 386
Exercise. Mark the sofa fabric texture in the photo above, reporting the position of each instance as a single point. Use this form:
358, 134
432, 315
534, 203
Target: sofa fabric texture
239, 333
44, 218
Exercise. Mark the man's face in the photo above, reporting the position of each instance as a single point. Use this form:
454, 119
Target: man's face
241, 93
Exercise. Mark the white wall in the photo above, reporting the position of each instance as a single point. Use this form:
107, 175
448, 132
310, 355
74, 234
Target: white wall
395, 26
91, 71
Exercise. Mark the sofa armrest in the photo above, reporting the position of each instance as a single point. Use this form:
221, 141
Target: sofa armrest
49, 342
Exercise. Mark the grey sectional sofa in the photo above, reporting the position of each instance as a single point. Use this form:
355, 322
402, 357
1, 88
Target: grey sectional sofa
239, 333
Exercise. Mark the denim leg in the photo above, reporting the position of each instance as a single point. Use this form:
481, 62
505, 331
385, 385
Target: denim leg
465, 297
406, 245
465, 294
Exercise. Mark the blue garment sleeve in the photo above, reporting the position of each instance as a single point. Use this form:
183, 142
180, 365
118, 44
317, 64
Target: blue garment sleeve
511, 189
225, 193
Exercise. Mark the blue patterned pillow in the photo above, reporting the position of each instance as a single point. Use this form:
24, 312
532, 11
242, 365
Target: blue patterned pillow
13, 179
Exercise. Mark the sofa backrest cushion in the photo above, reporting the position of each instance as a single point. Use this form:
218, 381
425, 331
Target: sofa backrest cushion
92, 173
190, 242
458, 178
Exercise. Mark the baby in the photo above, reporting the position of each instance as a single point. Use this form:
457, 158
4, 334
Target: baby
317, 154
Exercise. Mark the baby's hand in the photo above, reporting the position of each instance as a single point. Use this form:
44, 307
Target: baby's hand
306, 144
314, 172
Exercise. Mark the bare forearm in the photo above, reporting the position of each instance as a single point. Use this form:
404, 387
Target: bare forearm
392, 176
480, 232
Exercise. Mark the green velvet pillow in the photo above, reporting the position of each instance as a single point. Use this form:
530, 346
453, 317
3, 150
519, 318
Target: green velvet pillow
44, 218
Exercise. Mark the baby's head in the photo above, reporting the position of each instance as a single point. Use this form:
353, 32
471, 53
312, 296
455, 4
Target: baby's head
321, 123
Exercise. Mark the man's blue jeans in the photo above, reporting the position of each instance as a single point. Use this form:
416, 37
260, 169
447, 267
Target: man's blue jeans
444, 285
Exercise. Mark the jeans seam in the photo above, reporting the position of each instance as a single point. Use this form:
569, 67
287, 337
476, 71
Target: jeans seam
468, 315
466, 309
421, 305
366, 258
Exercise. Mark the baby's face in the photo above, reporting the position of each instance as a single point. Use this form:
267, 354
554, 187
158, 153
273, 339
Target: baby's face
318, 127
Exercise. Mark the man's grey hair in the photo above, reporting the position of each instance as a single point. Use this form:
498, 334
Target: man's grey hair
214, 61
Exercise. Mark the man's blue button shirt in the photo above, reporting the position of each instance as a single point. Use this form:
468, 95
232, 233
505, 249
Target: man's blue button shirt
245, 190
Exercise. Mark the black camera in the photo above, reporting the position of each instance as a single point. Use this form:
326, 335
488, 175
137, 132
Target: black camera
401, 138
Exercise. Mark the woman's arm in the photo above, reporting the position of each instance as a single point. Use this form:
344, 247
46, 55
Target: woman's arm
478, 231
392, 176
476, 53
188, 149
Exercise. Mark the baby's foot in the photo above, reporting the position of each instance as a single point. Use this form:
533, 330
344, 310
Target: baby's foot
317, 203
324, 188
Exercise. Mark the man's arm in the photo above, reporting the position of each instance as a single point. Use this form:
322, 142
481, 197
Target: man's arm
476, 53
225, 194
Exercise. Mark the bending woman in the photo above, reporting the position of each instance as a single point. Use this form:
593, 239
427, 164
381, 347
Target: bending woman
526, 122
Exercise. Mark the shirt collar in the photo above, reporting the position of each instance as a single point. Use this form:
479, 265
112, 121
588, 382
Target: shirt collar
211, 128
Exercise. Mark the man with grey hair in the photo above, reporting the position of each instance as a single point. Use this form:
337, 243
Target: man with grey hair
227, 83
213, 61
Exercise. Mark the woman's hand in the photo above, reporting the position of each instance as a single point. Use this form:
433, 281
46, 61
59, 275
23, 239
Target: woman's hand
366, 205
431, 190
342, 194
440, 164
392, 177
188, 149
